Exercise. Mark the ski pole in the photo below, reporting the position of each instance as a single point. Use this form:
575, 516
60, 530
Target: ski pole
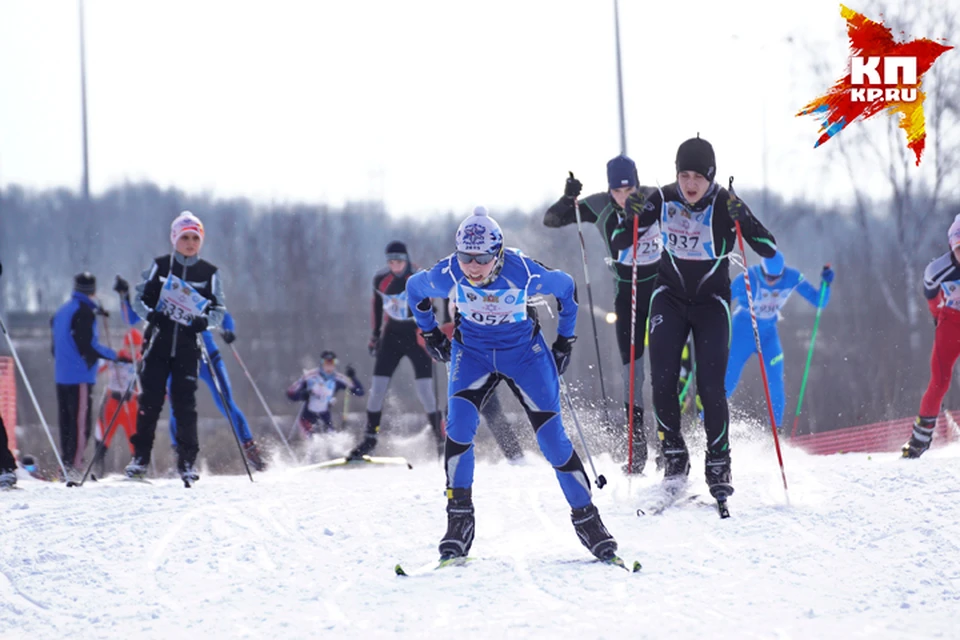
598, 479
256, 389
223, 399
296, 420
593, 318
756, 337
633, 342
806, 369
101, 446
33, 398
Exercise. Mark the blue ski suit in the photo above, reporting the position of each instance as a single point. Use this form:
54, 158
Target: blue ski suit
497, 337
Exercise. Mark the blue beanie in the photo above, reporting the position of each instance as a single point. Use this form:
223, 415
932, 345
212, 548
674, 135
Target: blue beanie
773, 266
621, 172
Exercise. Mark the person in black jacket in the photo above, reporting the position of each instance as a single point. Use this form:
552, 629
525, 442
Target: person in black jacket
180, 297
395, 337
697, 220
76, 352
605, 211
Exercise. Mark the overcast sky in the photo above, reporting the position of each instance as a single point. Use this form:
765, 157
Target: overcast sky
430, 106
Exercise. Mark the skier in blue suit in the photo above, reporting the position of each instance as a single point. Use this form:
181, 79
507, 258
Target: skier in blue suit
772, 283
497, 338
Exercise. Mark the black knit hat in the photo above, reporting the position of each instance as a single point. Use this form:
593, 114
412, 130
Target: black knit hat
396, 250
328, 356
85, 283
696, 154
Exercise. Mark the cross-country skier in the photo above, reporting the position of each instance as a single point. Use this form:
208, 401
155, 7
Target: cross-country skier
605, 210
697, 221
180, 297
394, 338
317, 389
236, 416
118, 378
941, 286
498, 338
771, 282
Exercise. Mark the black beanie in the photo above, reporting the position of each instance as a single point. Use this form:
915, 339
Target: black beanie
85, 283
397, 248
696, 154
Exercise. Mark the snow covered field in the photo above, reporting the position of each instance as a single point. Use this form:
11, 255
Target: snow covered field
867, 549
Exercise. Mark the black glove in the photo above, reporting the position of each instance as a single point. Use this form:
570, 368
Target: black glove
100, 311
228, 336
124, 359
573, 187
636, 202
827, 275
374, 345
737, 209
351, 372
562, 347
438, 346
199, 324
153, 317
121, 286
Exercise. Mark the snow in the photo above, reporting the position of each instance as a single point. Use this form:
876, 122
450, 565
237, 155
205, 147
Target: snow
868, 547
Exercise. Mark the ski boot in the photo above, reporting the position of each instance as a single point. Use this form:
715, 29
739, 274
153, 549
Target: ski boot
366, 445
921, 438
639, 446
137, 468
188, 473
8, 478
457, 540
592, 533
676, 468
252, 453
718, 476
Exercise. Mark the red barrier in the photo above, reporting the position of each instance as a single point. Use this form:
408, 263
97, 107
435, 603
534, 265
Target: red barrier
877, 437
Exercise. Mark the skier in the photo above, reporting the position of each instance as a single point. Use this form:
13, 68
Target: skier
236, 417
606, 211
941, 286
180, 297
317, 389
394, 338
771, 283
697, 220
76, 351
119, 377
498, 338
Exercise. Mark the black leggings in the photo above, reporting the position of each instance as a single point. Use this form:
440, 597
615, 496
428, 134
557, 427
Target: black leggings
182, 370
671, 320
395, 345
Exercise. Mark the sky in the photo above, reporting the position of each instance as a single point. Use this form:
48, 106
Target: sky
428, 106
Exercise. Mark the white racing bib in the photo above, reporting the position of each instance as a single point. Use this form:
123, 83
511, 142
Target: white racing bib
769, 302
395, 305
649, 247
321, 393
491, 307
951, 294
180, 302
119, 376
687, 235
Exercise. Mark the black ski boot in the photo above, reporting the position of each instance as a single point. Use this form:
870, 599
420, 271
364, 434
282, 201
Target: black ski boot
921, 438
457, 540
137, 468
676, 468
718, 476
592, 533
367, 445
639, 444
188, 473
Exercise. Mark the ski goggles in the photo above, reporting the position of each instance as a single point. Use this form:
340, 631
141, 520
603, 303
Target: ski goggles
397, 256
480, 258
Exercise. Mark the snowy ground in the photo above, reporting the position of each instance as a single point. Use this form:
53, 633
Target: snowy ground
868, 548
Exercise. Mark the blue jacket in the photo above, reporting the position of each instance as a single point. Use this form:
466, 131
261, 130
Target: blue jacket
76, 349
769, 299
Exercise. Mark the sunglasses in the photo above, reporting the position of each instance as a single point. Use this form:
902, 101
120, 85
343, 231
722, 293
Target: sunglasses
482, 258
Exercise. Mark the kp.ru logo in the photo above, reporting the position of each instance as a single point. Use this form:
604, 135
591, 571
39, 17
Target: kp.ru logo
882, 75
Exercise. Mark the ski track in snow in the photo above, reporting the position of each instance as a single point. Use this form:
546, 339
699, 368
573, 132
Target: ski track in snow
868, 548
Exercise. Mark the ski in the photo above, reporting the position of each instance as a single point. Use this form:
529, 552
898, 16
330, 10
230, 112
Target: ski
617, 561
344, 462
665, 500
443, 563
118, 480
